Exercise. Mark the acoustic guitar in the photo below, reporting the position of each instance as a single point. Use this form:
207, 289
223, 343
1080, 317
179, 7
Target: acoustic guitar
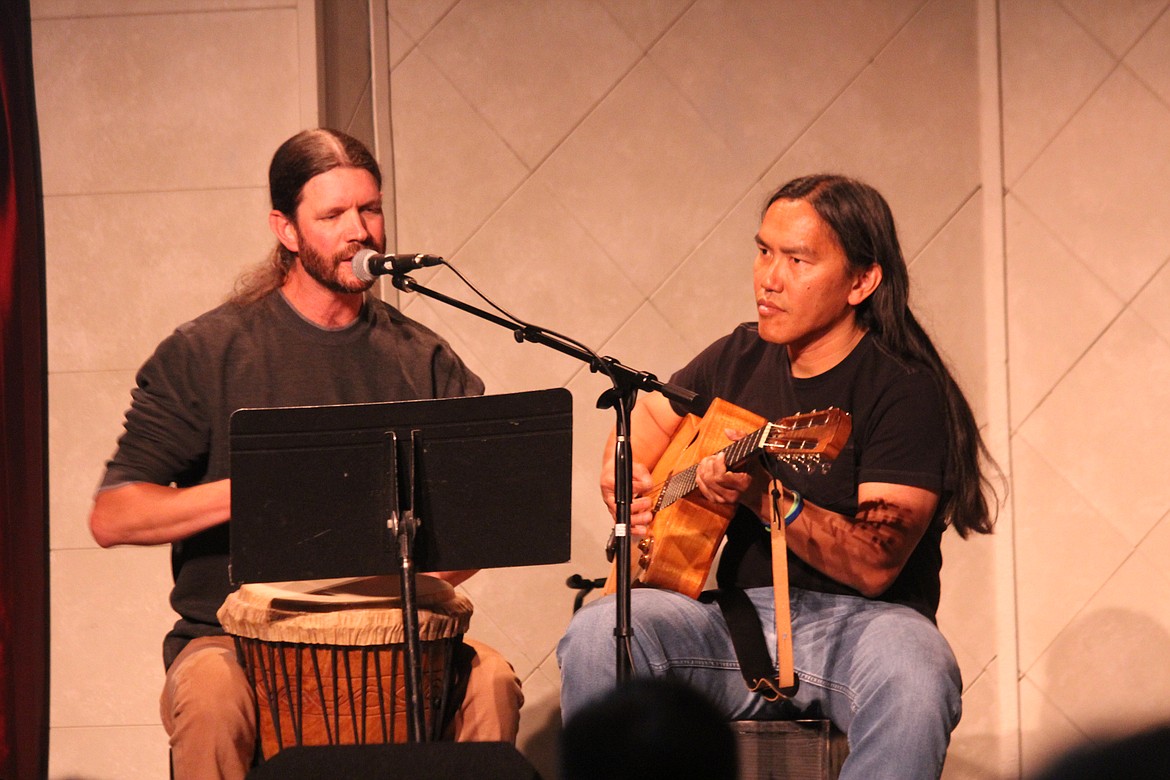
686, 531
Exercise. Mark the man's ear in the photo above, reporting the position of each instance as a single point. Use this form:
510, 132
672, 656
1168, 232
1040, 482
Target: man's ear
284, 230
865, 283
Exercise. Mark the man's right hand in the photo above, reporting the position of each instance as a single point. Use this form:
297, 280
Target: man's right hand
640, 508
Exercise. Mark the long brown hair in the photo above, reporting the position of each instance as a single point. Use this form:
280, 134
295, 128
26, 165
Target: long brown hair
300, 158
864, 225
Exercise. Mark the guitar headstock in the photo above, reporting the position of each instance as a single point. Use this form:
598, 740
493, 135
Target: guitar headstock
808, 440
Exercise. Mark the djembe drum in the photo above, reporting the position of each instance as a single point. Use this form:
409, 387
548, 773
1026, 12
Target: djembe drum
327, 658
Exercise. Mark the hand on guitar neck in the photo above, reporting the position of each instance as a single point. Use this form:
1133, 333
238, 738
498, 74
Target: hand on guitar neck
716, 483
713, 480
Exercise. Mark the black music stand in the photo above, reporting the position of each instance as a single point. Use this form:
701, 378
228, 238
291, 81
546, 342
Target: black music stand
368, 489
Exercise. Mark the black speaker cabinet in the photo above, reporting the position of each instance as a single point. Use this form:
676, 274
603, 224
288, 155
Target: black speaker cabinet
792, 749
412, 761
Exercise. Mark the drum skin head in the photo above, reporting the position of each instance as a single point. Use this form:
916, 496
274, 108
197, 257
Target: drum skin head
366, 591
358, 611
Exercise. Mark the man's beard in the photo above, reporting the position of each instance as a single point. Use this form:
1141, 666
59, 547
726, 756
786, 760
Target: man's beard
324, 269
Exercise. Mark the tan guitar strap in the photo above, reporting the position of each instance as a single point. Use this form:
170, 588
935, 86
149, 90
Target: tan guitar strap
786, 674
743, 623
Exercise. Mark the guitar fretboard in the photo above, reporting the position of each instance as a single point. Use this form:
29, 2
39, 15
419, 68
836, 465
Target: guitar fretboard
736, 454
781, 442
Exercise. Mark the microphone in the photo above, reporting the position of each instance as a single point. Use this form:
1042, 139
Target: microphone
367, 264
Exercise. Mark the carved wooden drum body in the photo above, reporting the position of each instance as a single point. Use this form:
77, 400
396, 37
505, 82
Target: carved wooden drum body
327, 658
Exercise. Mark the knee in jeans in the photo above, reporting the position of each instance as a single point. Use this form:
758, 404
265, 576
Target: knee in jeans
588, 627
930, 682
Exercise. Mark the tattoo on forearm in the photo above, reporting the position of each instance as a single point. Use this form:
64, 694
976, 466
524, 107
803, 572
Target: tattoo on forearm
884, 523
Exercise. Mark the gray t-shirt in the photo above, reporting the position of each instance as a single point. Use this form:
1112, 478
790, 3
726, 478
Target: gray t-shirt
263, 354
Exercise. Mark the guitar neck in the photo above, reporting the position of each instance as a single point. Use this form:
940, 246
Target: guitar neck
805, 441
735, 455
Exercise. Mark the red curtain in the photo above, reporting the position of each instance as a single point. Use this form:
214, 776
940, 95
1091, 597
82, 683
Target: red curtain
24, 623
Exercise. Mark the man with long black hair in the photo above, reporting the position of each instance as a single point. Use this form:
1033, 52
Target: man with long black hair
833, 329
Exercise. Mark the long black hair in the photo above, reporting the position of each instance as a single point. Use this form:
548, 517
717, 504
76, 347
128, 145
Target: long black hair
864, 225
300, 158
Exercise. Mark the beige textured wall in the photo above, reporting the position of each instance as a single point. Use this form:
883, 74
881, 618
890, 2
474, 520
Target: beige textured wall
157, 121
596, 167
1086, 156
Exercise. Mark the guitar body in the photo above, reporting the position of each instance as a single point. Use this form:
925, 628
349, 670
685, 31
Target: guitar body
686, 530
679, 549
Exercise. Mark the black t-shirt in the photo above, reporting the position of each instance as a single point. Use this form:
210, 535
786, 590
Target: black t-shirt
262, 354
899, 436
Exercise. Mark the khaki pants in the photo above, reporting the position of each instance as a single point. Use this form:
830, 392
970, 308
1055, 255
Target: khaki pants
208, 710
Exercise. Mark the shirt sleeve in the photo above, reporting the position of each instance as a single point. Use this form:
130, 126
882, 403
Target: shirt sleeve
452, 377
906, 433
701, 375
167, 431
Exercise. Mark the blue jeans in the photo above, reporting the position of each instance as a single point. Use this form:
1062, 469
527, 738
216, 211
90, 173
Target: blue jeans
882, 673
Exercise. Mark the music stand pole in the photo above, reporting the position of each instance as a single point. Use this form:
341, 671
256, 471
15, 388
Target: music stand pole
621, 397
404, 525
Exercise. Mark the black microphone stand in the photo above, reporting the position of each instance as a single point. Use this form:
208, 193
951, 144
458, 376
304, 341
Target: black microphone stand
621, 397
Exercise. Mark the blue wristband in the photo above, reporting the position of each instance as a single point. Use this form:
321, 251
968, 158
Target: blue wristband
794, 510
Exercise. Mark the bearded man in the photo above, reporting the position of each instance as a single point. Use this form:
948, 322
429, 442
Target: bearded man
301, 330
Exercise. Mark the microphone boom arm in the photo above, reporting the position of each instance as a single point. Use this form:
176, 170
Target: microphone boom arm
629, 377
626, 384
